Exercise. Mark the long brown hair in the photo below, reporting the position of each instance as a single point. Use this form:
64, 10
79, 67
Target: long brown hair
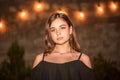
49, 44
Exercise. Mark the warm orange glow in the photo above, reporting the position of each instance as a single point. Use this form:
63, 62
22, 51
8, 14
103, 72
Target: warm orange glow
23, 15
80, 15
63, 10
38, 6
113, 6
2, 26
100, 9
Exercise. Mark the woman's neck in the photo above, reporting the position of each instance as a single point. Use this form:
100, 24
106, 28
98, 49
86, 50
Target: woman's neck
65, 48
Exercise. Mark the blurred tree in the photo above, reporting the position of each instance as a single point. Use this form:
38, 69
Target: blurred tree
14, 67
105, 69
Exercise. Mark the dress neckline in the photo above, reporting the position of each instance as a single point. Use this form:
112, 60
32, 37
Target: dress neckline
65, 63
60, 63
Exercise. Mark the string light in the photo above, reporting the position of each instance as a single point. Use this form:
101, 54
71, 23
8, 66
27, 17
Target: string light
2, 26
113, 6
38, 6
62, 10
23, 15
80, 15
99, 9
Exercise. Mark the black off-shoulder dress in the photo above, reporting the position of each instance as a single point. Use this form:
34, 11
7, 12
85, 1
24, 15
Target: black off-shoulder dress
73, 70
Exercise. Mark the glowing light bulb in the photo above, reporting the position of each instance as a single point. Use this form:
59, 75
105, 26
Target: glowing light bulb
100, 9
1, 25
63, 10
38, 6
113, 6
23, 15
81, 14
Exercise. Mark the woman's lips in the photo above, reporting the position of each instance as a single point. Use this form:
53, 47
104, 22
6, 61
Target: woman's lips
59, 38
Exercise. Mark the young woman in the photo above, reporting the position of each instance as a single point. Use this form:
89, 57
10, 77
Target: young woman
62, 58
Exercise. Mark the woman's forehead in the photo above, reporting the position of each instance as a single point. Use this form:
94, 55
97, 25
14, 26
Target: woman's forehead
57, 22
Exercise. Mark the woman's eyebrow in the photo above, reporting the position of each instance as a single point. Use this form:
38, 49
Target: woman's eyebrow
59, 26
51, 28
62, 25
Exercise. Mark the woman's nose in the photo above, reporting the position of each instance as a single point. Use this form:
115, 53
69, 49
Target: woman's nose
58, 32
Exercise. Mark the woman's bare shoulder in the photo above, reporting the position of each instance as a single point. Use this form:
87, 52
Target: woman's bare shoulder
38, 59
86, 60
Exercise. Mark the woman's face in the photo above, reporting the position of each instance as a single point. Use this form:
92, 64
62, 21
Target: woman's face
60, 31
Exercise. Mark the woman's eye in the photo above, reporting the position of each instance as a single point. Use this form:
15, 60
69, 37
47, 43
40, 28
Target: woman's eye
63, 27
52, 30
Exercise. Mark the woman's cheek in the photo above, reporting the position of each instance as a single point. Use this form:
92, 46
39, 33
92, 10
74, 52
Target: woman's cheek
66, 33
53, 36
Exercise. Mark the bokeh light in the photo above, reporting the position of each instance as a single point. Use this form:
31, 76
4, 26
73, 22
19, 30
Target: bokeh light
2, 26
113, 6
80, 15
23, 15
100, 9
39, 6
62, 10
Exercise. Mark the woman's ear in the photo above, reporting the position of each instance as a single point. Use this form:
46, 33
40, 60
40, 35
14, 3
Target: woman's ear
70, 30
